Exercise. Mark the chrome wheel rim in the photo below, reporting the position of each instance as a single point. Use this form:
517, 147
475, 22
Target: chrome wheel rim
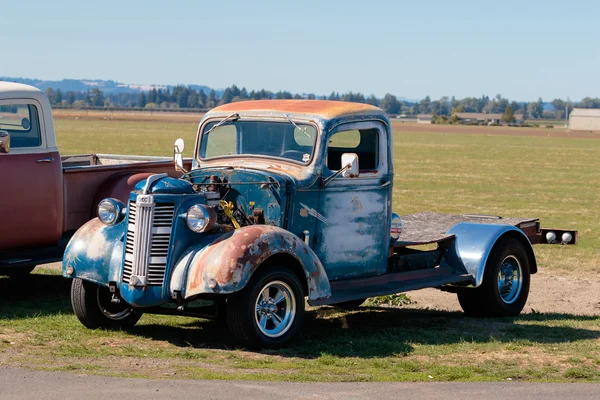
115, 311
275, 309
510, 279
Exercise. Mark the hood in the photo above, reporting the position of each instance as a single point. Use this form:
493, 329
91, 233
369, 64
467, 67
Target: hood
166, 185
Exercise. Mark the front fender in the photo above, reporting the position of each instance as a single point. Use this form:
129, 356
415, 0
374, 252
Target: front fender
473, 244
95, 252
226, 264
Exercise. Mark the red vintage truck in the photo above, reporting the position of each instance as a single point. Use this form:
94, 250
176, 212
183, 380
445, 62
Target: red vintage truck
45, 198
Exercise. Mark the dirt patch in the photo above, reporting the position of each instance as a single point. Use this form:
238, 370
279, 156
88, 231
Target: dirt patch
551, 292
493, 130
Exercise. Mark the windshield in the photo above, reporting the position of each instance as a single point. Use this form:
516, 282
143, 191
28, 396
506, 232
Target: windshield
262, 138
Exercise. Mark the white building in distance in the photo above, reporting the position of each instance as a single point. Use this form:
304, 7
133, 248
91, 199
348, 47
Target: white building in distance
584, 119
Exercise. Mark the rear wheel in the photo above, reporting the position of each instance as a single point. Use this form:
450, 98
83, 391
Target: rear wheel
505, 285
96, 307
269, 312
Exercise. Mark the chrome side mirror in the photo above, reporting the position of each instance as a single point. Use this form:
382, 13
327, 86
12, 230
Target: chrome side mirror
4, 142
350, 163
177, 157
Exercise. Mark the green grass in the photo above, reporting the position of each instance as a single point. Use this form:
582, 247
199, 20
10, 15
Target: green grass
123, 137
551, 178
38, 330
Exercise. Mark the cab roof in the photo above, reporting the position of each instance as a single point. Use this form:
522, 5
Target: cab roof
10, 90
325, 109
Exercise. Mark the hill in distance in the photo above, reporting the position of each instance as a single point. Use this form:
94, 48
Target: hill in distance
81, 85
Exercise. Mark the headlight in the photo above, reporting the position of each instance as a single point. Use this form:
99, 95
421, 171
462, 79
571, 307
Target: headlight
200, 218
110, 211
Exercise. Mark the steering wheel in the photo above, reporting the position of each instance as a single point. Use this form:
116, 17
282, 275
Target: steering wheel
293, 154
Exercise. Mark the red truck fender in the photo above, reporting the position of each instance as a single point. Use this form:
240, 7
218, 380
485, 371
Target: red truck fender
119, 187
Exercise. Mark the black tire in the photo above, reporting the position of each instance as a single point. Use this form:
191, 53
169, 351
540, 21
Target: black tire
243, 317
17, 272
487, 300
350, 303
92, 306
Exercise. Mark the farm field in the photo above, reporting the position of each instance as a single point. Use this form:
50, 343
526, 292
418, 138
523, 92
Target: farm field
545, 173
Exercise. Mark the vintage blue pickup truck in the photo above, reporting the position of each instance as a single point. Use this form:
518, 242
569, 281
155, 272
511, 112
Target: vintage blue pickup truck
287, 200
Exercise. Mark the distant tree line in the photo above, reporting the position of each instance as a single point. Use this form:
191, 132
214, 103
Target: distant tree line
185, 97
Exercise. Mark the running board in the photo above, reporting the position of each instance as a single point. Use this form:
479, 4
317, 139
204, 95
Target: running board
361, 288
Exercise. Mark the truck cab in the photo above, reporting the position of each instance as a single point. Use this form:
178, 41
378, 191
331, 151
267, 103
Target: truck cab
46, 197
286, 200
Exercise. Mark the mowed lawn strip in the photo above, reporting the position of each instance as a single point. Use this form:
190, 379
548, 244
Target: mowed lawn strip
551, 178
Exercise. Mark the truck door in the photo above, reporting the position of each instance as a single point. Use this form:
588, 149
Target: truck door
31, 207
352, 238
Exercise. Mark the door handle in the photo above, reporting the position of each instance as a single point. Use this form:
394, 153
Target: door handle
45, 160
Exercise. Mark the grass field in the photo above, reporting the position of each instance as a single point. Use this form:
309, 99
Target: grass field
554, 178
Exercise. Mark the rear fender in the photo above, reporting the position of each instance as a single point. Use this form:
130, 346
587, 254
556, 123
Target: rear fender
95, 252
473, 244
226, 264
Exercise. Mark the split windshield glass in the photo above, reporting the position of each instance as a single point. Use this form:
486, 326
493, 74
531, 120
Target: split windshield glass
260, 138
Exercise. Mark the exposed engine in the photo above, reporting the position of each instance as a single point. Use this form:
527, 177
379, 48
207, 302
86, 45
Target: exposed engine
232, 209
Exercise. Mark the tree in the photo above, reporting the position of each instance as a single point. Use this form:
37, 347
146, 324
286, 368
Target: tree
559, 105
202, 98
458, 109
51, 95
70, 98
58, 97
425, 105
390, 104
535, 109
97, 98
372, 100
227, 96
142, 100
509, 115
334, 96
540, 107
212, 99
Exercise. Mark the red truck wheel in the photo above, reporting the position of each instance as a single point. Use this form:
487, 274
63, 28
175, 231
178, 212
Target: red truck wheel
505, 285
93, 307
269, 312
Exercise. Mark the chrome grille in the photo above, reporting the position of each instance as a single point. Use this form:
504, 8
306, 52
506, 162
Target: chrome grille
147, 241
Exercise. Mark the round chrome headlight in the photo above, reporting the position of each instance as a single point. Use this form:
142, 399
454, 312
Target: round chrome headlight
110, 211
200, 218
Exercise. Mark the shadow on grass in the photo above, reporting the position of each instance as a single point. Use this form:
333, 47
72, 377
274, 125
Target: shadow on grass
363, 332
34, 295
379, 332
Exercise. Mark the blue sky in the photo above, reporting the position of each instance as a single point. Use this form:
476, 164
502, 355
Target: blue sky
521, 49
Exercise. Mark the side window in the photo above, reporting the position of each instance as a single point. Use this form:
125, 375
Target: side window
364, 142
22, 123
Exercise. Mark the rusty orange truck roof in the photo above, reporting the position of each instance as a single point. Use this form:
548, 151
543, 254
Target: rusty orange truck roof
325, 108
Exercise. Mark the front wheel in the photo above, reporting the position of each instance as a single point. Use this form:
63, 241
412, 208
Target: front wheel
269, 312
505, 285
96, 307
